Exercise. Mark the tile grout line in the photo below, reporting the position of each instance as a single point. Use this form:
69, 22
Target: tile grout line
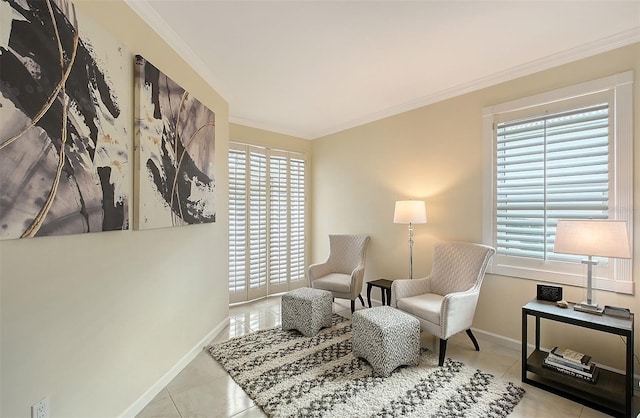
174, 403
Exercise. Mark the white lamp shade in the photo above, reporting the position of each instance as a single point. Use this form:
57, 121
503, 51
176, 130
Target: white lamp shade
601, 238
410, 211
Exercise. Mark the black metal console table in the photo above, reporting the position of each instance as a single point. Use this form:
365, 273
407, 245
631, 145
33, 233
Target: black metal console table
612, 392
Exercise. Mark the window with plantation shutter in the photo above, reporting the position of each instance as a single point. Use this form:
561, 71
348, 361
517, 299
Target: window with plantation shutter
267, 231
560, 155
548, 168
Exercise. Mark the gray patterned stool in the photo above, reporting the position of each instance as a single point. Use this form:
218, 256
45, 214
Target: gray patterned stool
306, 310
386, 338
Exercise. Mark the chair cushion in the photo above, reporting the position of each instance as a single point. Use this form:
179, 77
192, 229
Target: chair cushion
334, 282
426, 306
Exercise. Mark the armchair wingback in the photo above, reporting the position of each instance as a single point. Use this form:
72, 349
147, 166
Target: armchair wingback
445, 301
343, 272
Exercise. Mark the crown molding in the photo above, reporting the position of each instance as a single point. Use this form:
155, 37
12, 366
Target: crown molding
160, 26
266, 126
584, 51
143, 9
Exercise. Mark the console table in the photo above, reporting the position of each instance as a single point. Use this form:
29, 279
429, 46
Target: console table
612, 392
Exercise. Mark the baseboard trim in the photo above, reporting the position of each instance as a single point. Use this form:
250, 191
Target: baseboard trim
151, 393
498, 339
517, 345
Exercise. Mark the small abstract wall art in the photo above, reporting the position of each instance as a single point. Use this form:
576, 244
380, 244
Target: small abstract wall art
176, 143
63, 137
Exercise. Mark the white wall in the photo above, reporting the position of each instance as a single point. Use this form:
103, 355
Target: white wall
93, 321
435, 154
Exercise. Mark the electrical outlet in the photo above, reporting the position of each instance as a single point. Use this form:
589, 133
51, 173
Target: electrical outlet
636, 383
40, 409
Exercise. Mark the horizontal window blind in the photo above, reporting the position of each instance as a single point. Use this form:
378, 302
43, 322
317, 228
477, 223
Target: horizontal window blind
267, 220
550, 167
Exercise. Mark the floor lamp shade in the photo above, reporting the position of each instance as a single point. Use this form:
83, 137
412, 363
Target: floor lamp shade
410, 212
592, 238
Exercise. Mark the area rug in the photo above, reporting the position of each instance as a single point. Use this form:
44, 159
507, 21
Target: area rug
289, 375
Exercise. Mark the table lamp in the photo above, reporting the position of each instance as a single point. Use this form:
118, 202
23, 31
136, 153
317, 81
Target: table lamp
410, 212
599, 238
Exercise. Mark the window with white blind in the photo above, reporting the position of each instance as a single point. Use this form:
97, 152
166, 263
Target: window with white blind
267, 222
565, 154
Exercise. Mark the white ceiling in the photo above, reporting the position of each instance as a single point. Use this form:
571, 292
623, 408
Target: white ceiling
311, 68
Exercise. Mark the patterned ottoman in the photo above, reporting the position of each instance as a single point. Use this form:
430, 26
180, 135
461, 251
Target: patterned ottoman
306, 310
386, 338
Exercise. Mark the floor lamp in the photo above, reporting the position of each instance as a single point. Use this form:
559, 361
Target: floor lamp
599, 238
410, 212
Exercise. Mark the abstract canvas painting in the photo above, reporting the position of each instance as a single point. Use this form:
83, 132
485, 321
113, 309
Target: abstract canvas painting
63, 137
176, 143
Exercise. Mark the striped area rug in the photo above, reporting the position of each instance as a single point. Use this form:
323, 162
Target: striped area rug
289, 375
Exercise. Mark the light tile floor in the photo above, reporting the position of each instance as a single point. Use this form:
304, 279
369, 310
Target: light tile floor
204, 389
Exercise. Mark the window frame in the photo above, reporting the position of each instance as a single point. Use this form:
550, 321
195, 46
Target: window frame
617, 276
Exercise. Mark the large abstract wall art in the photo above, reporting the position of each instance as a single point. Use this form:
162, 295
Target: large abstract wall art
63, 138
176, 143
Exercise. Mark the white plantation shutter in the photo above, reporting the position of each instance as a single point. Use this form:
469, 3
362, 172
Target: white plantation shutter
257, 220
297, 219
564, 154
267, 228
278, 220
548, 168
237, 221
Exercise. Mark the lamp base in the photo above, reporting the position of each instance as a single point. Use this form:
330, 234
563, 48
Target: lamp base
589, 308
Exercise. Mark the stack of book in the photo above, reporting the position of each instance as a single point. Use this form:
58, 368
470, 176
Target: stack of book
572, 363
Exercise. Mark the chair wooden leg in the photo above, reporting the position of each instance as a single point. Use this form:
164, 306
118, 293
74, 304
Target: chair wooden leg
473, 339
362, 301
443, 350
353, 306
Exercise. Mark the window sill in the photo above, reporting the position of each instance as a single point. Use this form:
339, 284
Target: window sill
599, 283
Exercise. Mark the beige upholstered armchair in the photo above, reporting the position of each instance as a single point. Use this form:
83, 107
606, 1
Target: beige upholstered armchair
445, 301
343, 272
